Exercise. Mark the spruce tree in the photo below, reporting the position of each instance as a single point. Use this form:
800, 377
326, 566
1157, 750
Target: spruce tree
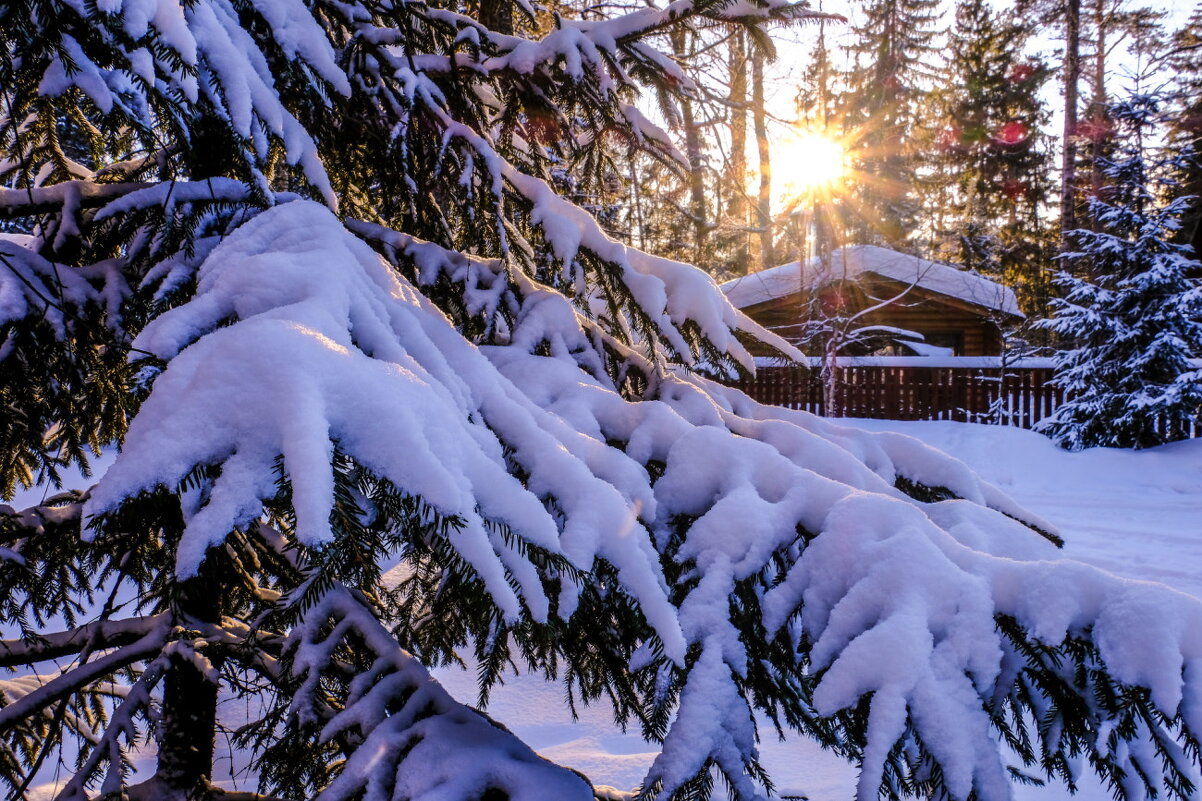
1136, 326
310, 285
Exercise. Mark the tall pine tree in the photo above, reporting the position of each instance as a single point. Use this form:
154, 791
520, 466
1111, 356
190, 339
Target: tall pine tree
1185, 128
991, 183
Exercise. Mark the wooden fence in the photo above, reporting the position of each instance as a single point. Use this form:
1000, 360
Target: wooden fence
976, 391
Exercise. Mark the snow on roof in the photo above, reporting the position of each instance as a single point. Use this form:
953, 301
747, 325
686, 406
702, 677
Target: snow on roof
933, 276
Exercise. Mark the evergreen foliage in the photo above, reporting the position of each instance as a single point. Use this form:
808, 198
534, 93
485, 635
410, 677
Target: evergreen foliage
1137, 322
991, 183
893, 61
304, 271
1185, 125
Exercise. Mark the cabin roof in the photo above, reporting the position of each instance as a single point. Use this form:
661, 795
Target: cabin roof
933, 276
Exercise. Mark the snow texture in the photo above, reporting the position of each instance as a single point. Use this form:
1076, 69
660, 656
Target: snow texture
855, 260
328, 345
1135, 514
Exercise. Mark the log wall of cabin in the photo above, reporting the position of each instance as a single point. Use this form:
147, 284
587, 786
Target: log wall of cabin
920, 311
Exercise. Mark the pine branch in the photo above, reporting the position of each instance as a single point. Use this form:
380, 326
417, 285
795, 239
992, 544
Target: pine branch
72, 680
100, 635
66, 196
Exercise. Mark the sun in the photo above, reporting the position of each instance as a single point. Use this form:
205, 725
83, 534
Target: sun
810, 161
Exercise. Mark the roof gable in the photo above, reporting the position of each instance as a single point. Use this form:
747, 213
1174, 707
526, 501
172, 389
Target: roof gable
853, 261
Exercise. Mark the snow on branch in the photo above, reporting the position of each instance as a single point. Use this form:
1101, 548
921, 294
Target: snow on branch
580, 42
675, 297
540, 315
72, 680
68, 195
98, 635
329, 346
122, 725
168, 195
678, 302
415, 741
29, 284
202, 55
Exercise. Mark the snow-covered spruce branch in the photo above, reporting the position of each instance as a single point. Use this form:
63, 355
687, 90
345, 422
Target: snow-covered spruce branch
676, 299
58, 510
535, 315
413, 740
577, 43
32, 285
100, 635
513, 307
120, 725
72, 680
649, 298
68, 197
442, 377
201, 57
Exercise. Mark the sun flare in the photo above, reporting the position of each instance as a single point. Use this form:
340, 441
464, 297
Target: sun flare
810, 161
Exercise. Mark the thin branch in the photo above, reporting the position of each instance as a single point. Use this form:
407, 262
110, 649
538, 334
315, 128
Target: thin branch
107, 633
16, 203
73, 680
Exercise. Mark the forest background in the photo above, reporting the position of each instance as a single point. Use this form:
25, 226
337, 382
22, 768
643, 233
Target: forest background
932, 127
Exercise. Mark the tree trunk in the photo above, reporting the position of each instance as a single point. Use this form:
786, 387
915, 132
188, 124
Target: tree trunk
822, 67
832, 379
1072, 71
497, 15
738, 149
692, 143
764, 204
1098, 121
188, 724
637, 191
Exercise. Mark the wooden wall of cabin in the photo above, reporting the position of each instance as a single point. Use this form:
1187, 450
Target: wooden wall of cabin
932, 315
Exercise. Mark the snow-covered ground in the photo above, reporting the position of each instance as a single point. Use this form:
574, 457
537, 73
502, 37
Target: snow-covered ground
1134, 513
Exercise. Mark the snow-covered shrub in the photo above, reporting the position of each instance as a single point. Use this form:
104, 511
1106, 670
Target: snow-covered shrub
383, 397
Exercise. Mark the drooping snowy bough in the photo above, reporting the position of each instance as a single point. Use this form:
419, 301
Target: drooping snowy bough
461, 419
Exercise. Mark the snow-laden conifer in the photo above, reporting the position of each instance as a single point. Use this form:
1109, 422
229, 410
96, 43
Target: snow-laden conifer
383, 400
1132, 317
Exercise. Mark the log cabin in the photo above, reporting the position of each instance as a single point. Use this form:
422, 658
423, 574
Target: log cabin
953, 312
